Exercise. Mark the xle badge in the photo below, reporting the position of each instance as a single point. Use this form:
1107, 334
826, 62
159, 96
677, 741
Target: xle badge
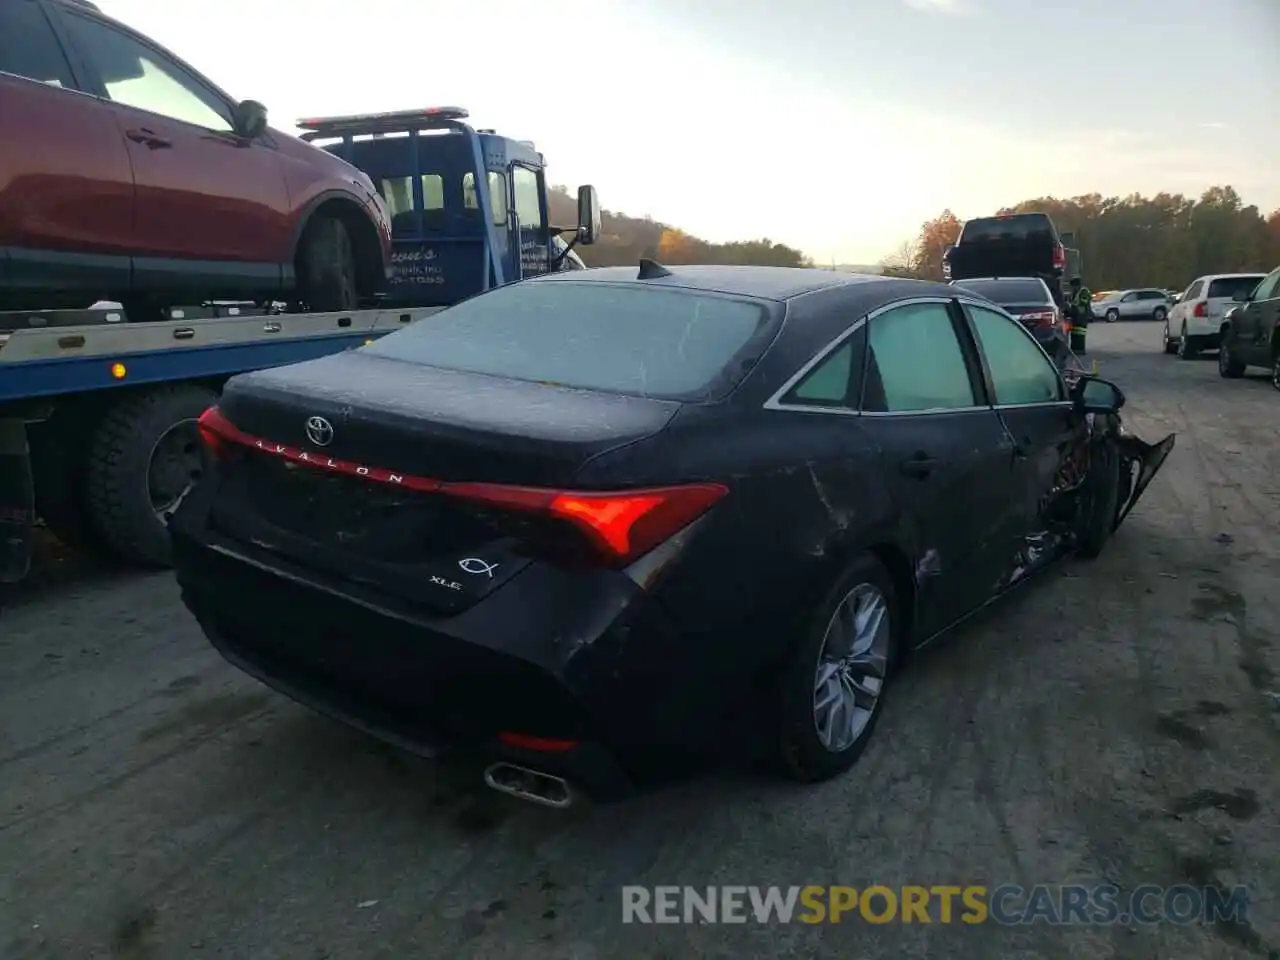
447, 584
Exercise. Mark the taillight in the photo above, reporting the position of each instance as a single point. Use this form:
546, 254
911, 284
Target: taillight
619, 526
212, 426
1040, 318
1201, 310
1059, 257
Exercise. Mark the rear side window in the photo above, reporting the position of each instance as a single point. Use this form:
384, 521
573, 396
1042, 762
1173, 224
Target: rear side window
916, 362
28, 46
837, 380
1232, 286
615, 338
1193, 291
1009, 291
1015, 227
1267, 288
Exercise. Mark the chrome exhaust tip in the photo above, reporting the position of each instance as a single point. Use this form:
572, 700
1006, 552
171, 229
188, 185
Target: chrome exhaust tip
532, 785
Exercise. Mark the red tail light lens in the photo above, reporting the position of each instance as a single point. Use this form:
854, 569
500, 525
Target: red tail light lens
1059, 257
1201, 310
214, 428
1040, 318
620, 525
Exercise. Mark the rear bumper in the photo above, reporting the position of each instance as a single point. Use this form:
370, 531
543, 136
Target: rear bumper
1200, 327
596, 673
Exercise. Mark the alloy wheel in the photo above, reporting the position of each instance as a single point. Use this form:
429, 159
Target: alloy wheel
1275, 372
852, 667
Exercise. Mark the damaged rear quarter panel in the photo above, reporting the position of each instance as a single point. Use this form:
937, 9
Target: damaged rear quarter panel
773, 545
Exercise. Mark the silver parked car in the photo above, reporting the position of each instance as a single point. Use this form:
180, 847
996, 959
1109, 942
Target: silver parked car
1148, 303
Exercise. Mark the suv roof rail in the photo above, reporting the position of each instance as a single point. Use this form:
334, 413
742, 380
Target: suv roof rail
87, 4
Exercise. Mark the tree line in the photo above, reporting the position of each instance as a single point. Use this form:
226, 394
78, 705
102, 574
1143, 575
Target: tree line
1163, 241
625, 240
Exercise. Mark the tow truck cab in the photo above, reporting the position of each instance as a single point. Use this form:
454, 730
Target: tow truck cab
449, 240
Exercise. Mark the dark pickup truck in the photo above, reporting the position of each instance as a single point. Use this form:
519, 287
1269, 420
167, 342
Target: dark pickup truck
1010, 245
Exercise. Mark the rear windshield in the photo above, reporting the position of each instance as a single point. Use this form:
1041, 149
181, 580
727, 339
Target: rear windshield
617, 338
1232, 286
1016, 227
1008, 291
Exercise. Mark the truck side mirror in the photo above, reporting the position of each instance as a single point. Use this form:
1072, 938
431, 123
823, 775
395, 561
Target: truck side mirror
588, 215
250, 119
1068, 239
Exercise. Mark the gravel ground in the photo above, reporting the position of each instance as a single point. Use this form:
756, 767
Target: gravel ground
1116, 722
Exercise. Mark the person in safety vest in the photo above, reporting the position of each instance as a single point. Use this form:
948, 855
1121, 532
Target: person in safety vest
1080, 312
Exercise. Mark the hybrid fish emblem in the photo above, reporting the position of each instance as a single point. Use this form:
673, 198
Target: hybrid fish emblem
319, 431
477, 567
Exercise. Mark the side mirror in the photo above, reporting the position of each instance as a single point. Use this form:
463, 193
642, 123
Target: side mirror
250, 119
1094, 395
1068, 239
588, 215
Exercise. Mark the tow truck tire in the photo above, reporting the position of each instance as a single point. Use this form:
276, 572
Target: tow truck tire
119, 470
329, 266
1099, 500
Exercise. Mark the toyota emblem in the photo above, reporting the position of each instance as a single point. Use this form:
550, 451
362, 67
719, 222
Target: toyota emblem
319, 431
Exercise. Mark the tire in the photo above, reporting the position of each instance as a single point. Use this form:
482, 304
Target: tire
1186, 349
1275, 370
1112, 315
328, 267
801, 753
1159, 314
1099, 501
1228, 366
1170, 346
124, 447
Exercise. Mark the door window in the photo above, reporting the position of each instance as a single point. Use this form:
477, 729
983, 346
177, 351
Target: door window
916, 362
1020, 371
1267, 288
497, 196
28, 46
1193, 291
836, 381
528, 198
136, 75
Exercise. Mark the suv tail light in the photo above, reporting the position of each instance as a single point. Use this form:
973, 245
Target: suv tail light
1201, 310
1059, 257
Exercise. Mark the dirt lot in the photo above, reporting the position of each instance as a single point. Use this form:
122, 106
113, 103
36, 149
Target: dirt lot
1117, 722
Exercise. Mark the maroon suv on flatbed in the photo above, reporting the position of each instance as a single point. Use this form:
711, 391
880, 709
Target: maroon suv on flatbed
125, 175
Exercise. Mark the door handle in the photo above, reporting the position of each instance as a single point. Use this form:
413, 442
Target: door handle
147, 138
920, 466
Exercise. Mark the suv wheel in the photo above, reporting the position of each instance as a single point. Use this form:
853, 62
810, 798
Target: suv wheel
1186, 349
328, 267
1275, 370
1158, 314
1112, 315
1169, 345
1228, 366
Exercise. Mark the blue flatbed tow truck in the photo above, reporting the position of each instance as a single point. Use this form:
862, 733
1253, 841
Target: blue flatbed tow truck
98, 413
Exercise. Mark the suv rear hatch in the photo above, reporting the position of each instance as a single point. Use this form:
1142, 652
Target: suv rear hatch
1222, 291
381, 469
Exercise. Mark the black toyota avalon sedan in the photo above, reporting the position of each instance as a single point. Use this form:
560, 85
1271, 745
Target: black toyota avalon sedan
580, 521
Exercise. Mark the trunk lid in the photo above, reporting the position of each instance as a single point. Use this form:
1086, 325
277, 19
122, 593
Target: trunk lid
349, 506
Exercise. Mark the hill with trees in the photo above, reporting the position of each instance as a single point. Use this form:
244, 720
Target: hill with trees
1163, 241
624, 240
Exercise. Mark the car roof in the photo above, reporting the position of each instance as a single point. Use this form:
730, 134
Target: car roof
989, 279
1228, 276
761, 283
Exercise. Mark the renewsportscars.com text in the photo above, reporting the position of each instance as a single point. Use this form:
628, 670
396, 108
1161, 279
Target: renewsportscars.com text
1007, 905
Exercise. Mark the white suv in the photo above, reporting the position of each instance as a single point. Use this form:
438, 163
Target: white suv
1195, 321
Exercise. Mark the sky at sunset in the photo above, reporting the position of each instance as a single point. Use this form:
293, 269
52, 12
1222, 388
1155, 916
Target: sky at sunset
833, 126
